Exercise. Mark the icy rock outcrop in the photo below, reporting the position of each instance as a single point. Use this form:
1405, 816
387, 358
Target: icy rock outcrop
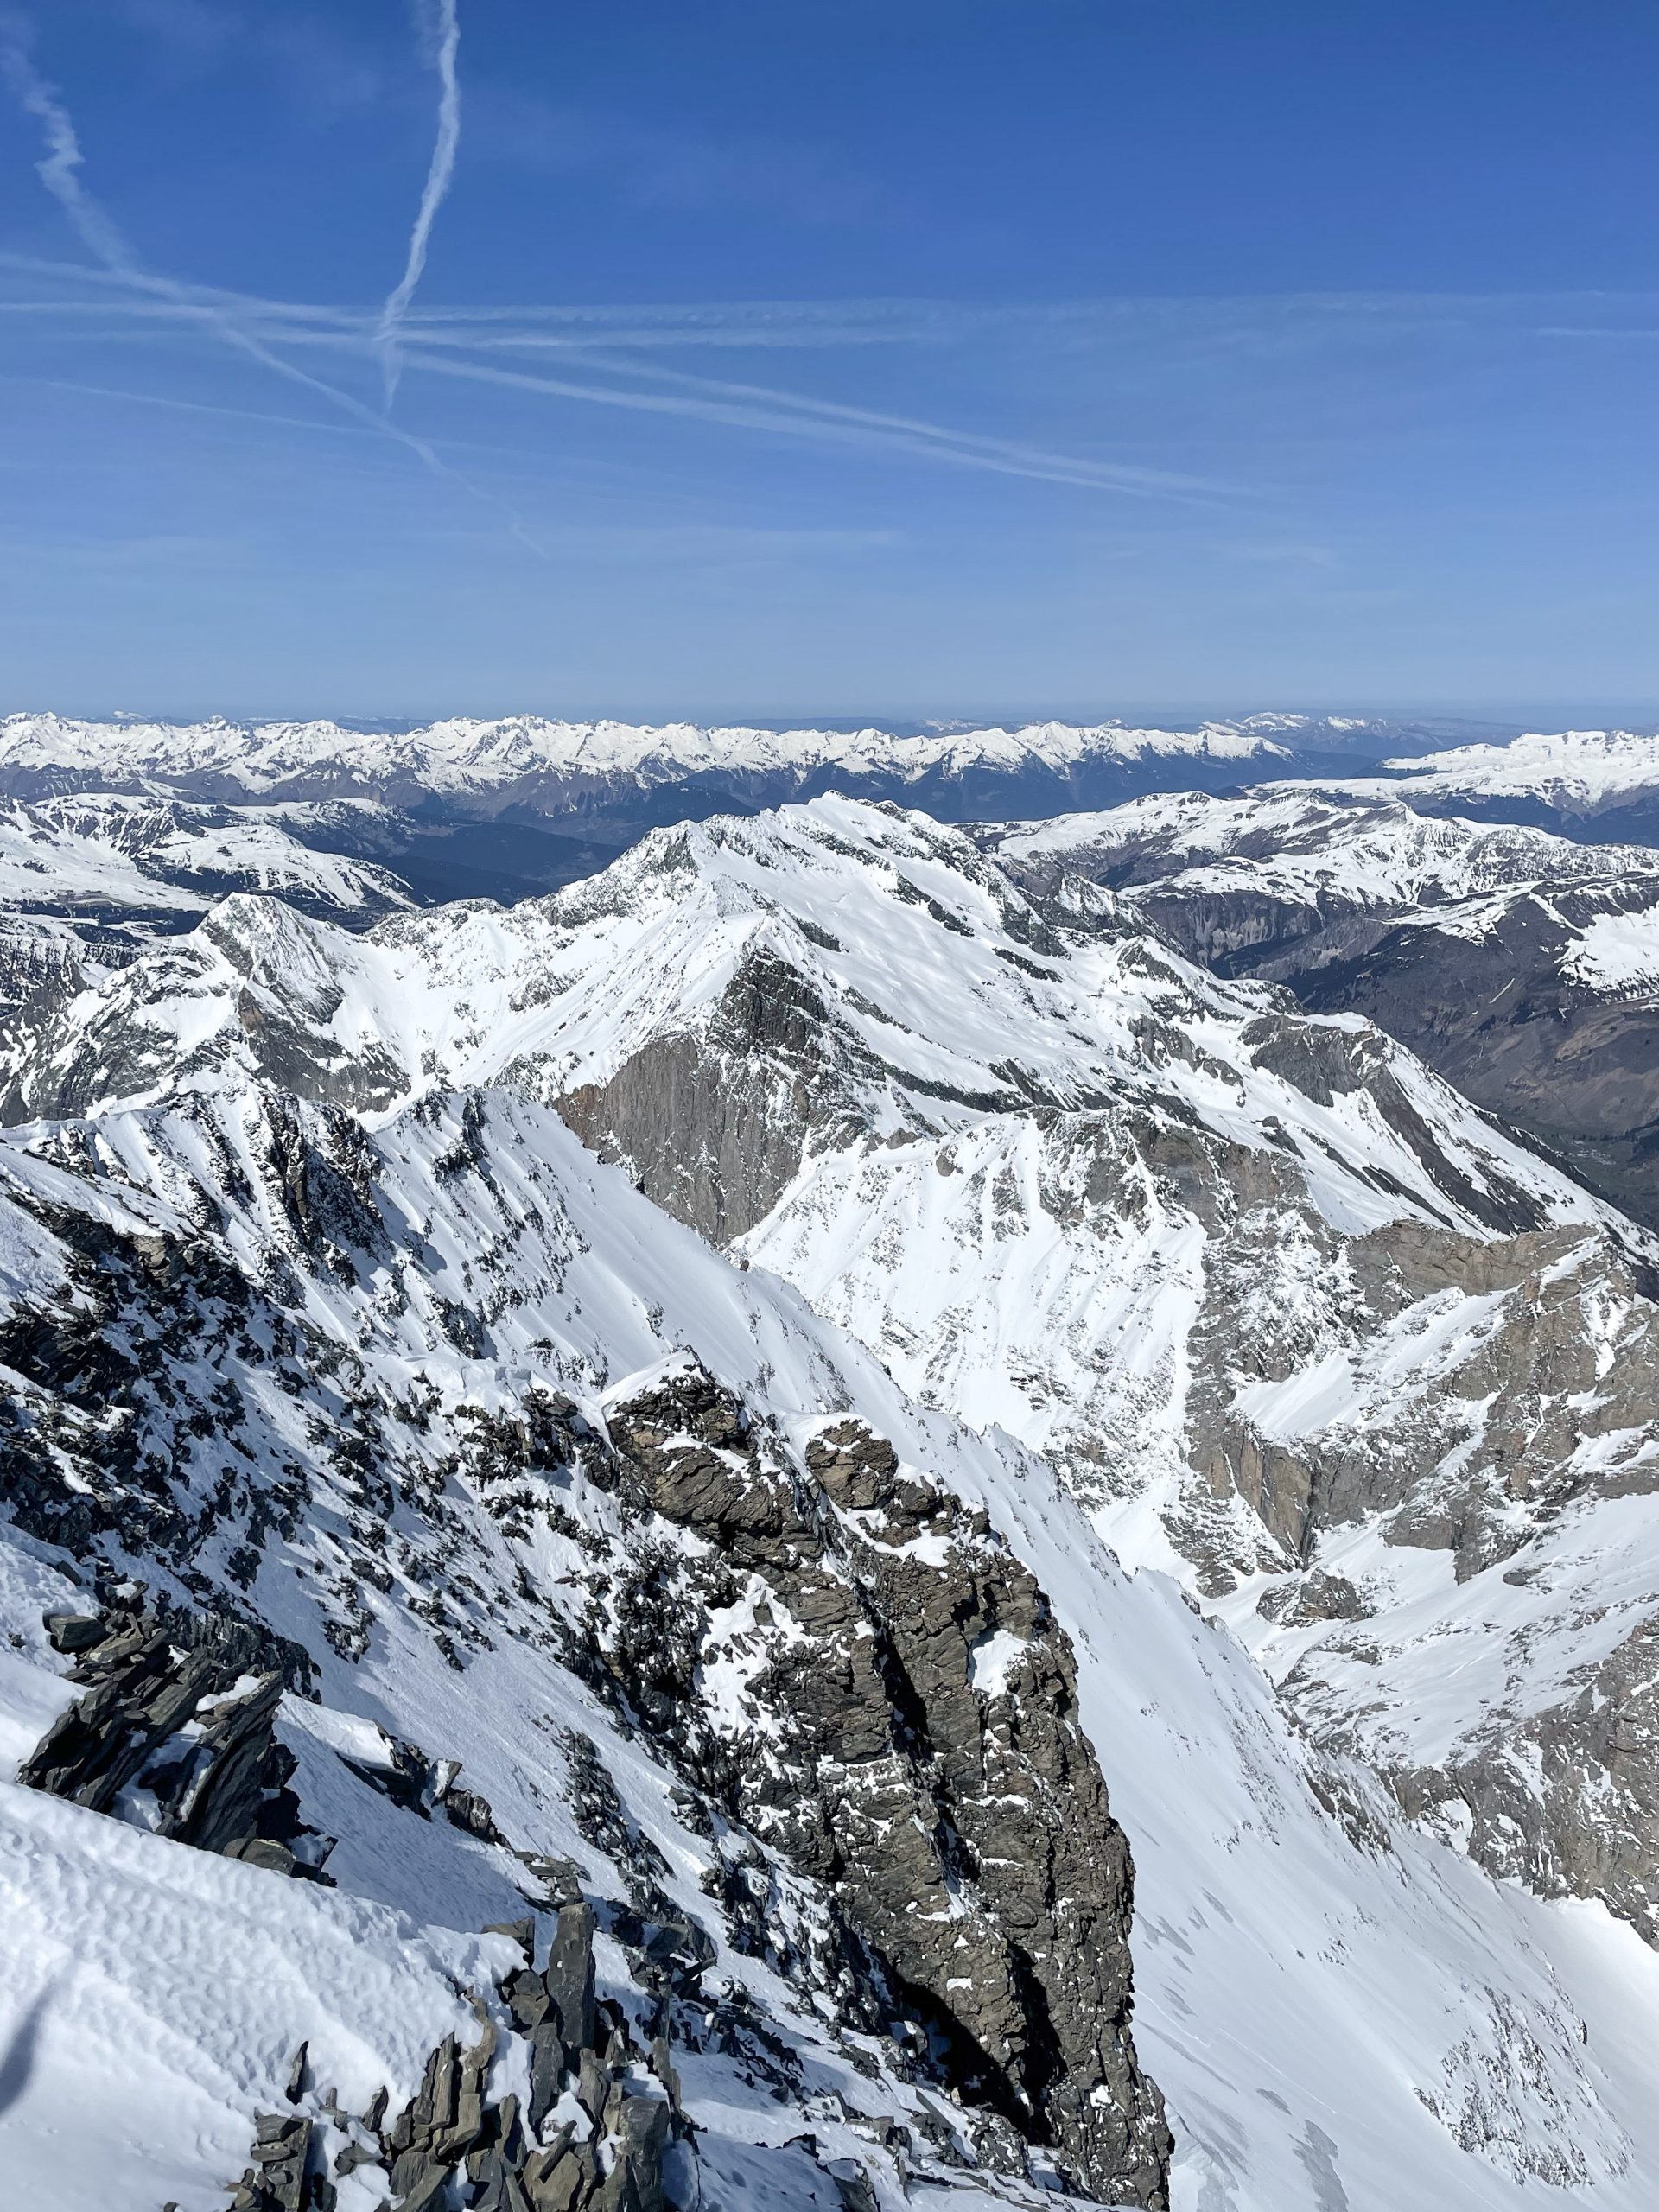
461, 2130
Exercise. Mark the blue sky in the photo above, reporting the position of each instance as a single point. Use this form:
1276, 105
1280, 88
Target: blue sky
994, 357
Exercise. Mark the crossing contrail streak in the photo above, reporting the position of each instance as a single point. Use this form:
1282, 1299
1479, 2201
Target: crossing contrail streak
438, 178
60, 173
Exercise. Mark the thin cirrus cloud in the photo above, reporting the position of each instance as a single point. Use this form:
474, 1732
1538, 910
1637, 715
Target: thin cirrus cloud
653, 165
311, 58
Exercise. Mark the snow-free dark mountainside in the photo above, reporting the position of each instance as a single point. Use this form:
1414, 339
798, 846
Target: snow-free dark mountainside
841, 1517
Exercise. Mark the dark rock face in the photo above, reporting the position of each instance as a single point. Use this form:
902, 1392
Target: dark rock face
1523, 1805
716, 1125
901, 1724
1572, 1065
1316, 1597
285, 2175
175, 1722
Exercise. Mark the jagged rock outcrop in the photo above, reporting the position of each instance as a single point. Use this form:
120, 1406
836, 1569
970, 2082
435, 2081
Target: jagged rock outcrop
174, 1729
718, 1152
901, 1720
229, 1357
604, 2147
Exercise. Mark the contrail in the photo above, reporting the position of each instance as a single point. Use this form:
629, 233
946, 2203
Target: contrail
60, 173
849, 427
431, 341
438, 178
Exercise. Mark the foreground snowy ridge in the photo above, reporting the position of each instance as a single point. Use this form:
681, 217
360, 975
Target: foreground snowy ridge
1337, 2010
541, 1476
1255, 1281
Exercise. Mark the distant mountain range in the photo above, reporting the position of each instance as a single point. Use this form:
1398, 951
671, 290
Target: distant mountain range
1589, 783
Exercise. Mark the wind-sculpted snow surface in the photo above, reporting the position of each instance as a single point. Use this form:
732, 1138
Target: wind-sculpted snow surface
515, 1476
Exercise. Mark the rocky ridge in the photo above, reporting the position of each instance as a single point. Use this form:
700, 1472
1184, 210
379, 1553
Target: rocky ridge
184, 1411
404, 1375
1255, 1280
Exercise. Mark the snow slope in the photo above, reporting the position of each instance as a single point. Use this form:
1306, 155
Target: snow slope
1617, 953
1253, 1280
1321, 849
1519, 964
